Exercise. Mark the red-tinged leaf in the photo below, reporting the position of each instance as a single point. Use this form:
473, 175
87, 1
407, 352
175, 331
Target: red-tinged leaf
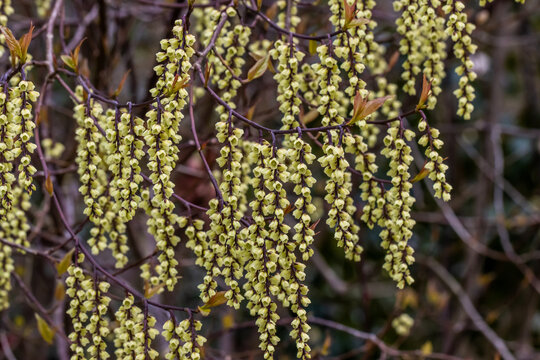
314, 225
122, 82
393, 61
44, 329
63, 265
426, 91
259, 68
77, 50
288, 209
11, 42
350, 11
24, 43
207, 71
251, 112
49, 185
363, 108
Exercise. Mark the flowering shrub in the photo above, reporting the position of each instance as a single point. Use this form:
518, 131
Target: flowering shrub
255, 234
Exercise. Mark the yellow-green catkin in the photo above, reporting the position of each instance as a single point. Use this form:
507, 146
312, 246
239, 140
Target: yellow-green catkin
98, 325
370, 188
459, 29
293, 292
292, 273
435, 166
409, 25
261, 266
123, 151
162, 138
434, 49
91, 163
338, 186
397, 222
225, 229
7, 155
78, 287
128, 335
183, 340
21, 98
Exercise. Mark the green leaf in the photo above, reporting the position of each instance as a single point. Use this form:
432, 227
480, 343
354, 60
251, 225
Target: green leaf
44, 329
259, 68
355, 23
68, 60
421, 175
63, 265
216, 300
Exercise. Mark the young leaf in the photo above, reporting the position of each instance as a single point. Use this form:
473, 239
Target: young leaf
49, 185
350, 11
355, 23
426, 91
216, 300
68, 60
65, 262
325, 350
421, 175
259, 68
12, 43
393, 60
44, 329
121, 85
364, 107
313, 47
251, 112
60, 291
24, 43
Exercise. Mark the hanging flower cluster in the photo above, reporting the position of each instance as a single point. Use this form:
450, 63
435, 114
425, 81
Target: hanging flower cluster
162, 139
